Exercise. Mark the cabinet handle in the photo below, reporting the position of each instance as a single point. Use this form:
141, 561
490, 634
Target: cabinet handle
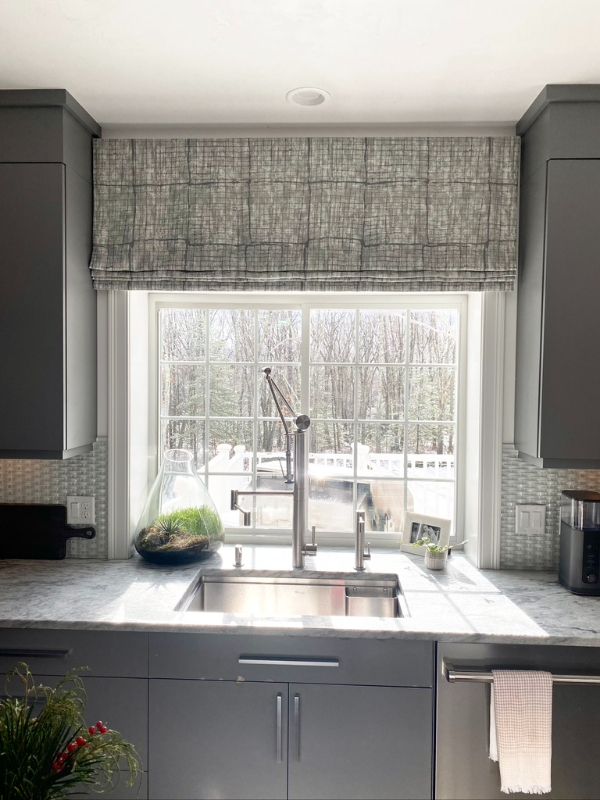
25, 653
276, 661
297, 724
279, 734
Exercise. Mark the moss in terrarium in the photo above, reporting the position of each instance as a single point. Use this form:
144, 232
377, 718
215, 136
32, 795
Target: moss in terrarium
187, 528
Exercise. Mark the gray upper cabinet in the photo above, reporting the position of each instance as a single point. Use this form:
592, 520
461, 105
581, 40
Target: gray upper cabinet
47, 303
558, 385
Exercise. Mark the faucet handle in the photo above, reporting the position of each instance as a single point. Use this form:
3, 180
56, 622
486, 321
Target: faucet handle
311, 549
238, 562
367, 553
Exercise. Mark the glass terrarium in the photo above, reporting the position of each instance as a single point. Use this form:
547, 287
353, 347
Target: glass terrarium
180, 522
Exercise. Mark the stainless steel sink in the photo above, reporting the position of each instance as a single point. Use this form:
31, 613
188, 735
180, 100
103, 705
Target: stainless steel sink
290, 595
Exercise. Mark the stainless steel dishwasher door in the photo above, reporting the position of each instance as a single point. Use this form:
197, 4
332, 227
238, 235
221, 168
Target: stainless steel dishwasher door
463, 768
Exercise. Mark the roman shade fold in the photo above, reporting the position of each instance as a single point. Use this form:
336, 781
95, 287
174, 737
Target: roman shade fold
322, 214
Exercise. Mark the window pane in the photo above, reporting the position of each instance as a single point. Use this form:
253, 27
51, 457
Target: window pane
270, 449
231, 335
381, 393
431, 393
381, 450
273, 512
332, 335
332, 392
220, 487
182, 390
230, 446
182, 334
288, 380
279, 335
430, 451
331, 448
231, 388
381, 337
431, 499
185, 434
383, 504
433, 336
330, 504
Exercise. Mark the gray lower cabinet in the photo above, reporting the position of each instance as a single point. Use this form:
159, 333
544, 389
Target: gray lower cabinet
121, 789
217, 739
463, 768
226, 739
359, 742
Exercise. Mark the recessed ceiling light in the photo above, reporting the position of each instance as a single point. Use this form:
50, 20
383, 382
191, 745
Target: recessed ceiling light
307, 96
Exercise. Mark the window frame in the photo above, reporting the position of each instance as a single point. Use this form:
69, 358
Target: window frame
307, 301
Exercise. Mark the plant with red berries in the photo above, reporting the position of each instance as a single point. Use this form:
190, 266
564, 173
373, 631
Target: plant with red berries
45, 748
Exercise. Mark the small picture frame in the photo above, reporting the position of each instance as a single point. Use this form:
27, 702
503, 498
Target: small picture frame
420, 526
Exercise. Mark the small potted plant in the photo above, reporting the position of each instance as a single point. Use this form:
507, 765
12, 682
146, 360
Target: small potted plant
436, 555
46, 749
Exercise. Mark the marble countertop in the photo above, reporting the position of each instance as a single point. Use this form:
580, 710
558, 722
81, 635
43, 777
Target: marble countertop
461, 604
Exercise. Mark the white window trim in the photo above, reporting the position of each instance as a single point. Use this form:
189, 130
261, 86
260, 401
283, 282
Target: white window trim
481, 465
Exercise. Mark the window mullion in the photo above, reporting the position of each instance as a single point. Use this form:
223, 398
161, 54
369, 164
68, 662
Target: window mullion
406, 415
206, 393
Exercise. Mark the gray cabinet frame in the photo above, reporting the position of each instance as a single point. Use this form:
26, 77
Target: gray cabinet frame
558, 328
48, 313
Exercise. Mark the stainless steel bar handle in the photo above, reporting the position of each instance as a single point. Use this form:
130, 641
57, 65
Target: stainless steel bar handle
297, 724
279, 726
26, 653
274, 661
455, 675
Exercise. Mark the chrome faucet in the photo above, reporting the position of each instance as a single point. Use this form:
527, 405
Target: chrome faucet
361, 554
298, 477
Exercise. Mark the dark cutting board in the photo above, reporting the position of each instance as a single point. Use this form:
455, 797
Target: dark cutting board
37, 531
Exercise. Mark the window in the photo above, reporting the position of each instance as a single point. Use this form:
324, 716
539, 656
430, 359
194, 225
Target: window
379, 377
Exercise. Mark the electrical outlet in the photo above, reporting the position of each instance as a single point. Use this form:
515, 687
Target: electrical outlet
530, 519
81, 510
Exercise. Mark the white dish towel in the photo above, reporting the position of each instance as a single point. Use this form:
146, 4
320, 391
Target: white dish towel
521, 729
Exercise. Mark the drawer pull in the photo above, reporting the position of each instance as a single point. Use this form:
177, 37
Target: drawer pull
279, 732
275, 661
25, 653
297, 724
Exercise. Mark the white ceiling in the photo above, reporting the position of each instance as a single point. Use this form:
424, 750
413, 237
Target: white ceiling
232, 61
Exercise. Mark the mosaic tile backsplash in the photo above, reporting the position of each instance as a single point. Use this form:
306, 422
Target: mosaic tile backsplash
51, 481
30, 481
523, 483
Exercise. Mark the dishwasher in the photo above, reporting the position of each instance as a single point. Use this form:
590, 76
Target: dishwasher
463, 769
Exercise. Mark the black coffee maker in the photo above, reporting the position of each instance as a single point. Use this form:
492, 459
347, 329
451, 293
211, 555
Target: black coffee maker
579, 565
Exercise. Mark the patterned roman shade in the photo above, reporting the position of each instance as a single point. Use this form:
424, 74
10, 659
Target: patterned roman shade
360, 214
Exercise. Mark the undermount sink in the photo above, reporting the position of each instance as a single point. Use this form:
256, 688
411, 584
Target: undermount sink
290, 595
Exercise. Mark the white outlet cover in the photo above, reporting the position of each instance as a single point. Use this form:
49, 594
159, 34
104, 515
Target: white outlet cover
530, 519
81, 510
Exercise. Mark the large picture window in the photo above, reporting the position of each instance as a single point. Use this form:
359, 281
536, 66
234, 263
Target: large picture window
380, 379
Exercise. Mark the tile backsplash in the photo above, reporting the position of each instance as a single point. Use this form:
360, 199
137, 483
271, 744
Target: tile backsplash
524, 483
28, 481
31, 481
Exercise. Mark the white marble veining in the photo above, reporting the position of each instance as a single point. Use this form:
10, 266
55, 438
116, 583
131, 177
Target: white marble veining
462, 604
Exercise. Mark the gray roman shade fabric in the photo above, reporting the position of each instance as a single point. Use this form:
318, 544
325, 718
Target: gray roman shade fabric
366, 214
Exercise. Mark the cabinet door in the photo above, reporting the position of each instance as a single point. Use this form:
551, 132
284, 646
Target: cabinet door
571, 329
359, 742
464, 769
217, 739
120, 702
32, 208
